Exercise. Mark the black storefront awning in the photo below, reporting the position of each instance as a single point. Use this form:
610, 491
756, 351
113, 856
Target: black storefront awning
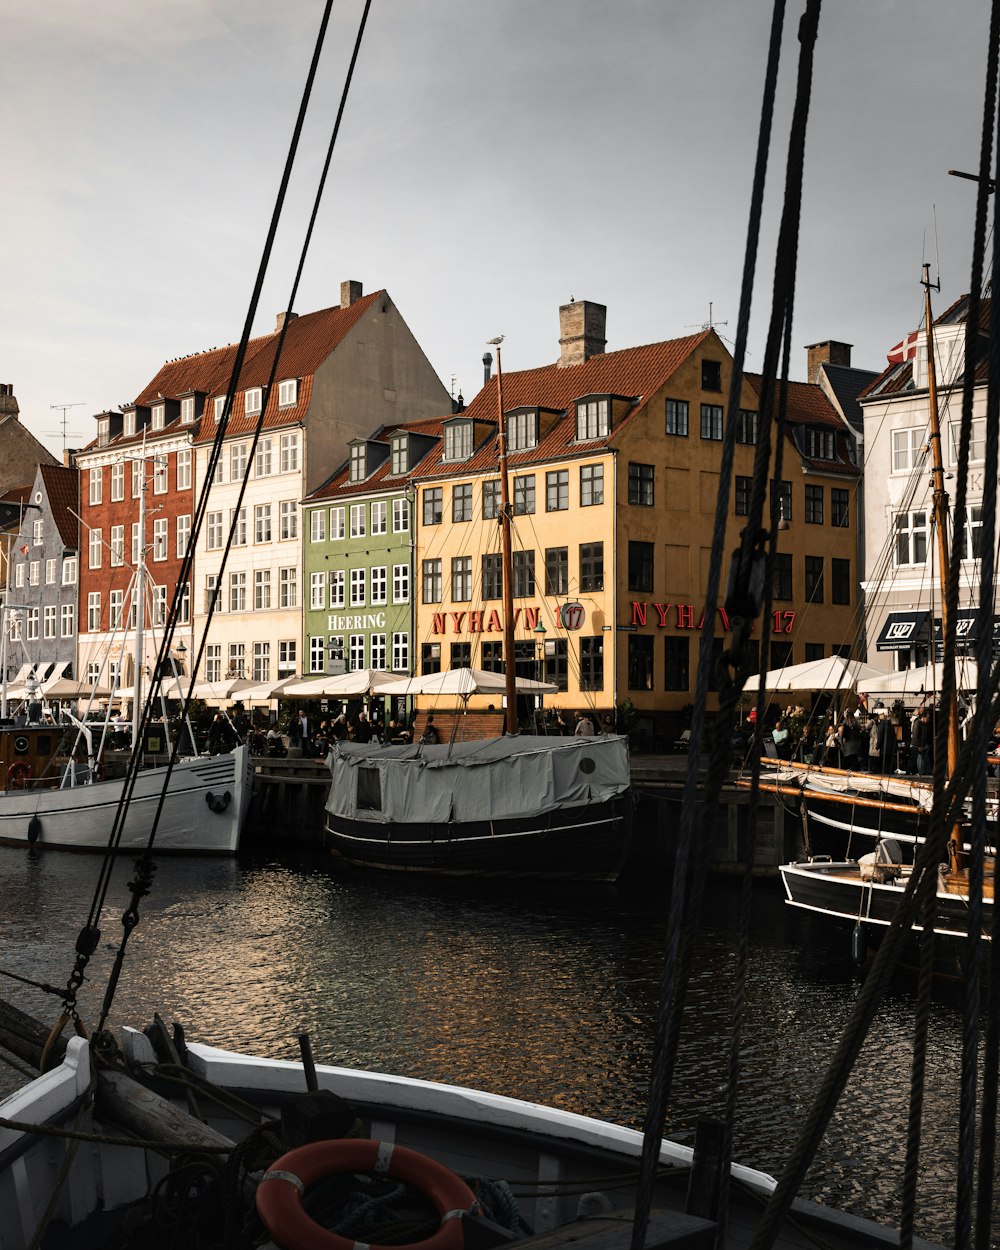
966, 632
902, 630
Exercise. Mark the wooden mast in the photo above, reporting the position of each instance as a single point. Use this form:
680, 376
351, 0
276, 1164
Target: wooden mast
939, 504
506, 558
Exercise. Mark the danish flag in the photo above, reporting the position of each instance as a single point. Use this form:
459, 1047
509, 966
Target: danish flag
25, 549
906, 350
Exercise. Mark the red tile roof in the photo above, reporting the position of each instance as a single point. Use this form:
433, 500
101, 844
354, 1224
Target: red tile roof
63, 489
807, 404
339, 486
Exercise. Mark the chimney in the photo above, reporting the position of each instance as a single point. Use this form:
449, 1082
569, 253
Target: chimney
8, 404
581, 331
281, 320
487, 366
69, 457
829, 352
350, 293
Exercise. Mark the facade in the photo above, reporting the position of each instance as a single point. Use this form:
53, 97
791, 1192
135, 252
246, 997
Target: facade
343, 372
613, 462
20, 452
359, 534
901, 588
41, 603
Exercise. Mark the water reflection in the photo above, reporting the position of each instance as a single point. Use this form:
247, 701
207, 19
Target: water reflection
548, 995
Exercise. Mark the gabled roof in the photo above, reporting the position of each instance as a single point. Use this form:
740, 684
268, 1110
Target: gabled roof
63, 489
807, 405
897, 379
339, 485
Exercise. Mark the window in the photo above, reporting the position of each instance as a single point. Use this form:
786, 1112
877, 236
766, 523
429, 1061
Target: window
592, 663
338, 588
524, 494
711, 422
338, 523
288, 392
237, 660
592, 568
593, 419
840, 581
159, 605
49, 621
820, 444
378, 652
676, 663
359, 459
252, 403
401, 653
218, 407
461, 578
430, 657
359, 587
118, 481
69, 571
237, 592
557, 490
400, 461
492, 657
238, 526
379, 525
33, 572
908, 448
161, 465
103, 432
493, 576
359, 520
262, 523
261, 589
556, 668
94, 610
461, 655
96, 542
640, 661
288, 519
212, 599
317, 591
711, 375
379, 589
640, 567
160, 538
556, 570
458, 440
591, 485
970, 539
524, 574
400, 516
401, 583
237, 462
781, 500
262, 460
814, 505
159, 414
491, 500
31, 624
911, 538
461, 502
522, 430
37, 533
117, 545
67, 621
261, 661
741, 495
746, 426
640, 484
840, 507
814, 579
677, 417
289, 452
213, 661
50, 572
432, 581
138, 478
317, 654
184, 469
95, 485
183, 535
433, 505
184, 607
317, 525
782, 577
19, 576
213, 531
187, 410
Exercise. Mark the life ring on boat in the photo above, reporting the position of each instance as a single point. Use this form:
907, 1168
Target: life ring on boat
279, 1194
18, 774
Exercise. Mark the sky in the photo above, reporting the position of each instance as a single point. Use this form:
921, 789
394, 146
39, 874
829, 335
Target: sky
497, 159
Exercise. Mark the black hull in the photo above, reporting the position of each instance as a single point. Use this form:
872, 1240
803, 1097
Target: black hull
569, 844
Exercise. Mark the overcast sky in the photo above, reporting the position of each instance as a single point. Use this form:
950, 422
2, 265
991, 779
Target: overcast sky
497, 158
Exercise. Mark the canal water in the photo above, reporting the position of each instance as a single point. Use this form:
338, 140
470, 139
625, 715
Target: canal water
546, 994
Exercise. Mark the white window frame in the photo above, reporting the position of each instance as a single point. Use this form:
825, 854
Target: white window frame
317, 591
95, 546
378, 588
187, 410
338, 528
359, 587
401, 516
317, 525
183, 534
359, 520
288, 587
289, 452
253, 401
401, 653
237, 462
69, 570
118, 481
379, 517
93, 611
161, 538
288, 392
288, 520
67, 620
117, 546
338, 588
262, 523
401, 583
96, 479
183, 477
262, 459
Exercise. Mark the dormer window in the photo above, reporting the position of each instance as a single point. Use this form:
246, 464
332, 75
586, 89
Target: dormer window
187, 410
458, 440
219, 406
288, 393
522, 429
593, 418
820, 444
103, 431
159, 411
130, 422
400, 458
253, 401
359, 462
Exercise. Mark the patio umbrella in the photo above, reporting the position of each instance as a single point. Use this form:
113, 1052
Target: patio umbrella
343, 685
265, 690
465, 682
220, 691
924, 680
832, 673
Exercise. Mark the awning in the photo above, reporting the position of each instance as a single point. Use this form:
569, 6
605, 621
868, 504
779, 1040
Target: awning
902, 630
966, 632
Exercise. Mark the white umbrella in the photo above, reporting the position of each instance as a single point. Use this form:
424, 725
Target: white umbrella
67, 688
342, 685
265, 690
832, 673
465, 682
220, 691
926, 679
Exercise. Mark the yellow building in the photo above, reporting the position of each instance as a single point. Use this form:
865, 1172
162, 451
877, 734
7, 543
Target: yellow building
613, 467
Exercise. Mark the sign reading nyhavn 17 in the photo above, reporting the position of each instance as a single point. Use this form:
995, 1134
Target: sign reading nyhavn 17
682, 616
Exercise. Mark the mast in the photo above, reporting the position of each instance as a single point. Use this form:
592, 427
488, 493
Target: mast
939, 505
506, 558
139, 595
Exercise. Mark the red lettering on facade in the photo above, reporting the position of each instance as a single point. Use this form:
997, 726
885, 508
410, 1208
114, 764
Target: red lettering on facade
638, 613
493, 625
685, 616
661, 611
458, 618
725, 618
530, 618
475, 622
440, 623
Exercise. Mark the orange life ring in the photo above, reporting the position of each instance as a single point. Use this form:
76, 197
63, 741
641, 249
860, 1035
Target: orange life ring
18, 774
279, 1194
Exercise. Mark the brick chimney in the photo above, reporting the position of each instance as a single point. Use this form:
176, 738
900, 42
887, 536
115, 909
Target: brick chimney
8, 403
581, 331
350, 292
281, 319
829, 352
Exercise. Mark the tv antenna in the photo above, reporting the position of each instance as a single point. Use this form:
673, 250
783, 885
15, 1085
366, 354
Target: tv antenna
710, 324
64, 408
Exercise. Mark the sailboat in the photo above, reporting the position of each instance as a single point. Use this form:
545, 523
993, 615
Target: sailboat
518, 806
